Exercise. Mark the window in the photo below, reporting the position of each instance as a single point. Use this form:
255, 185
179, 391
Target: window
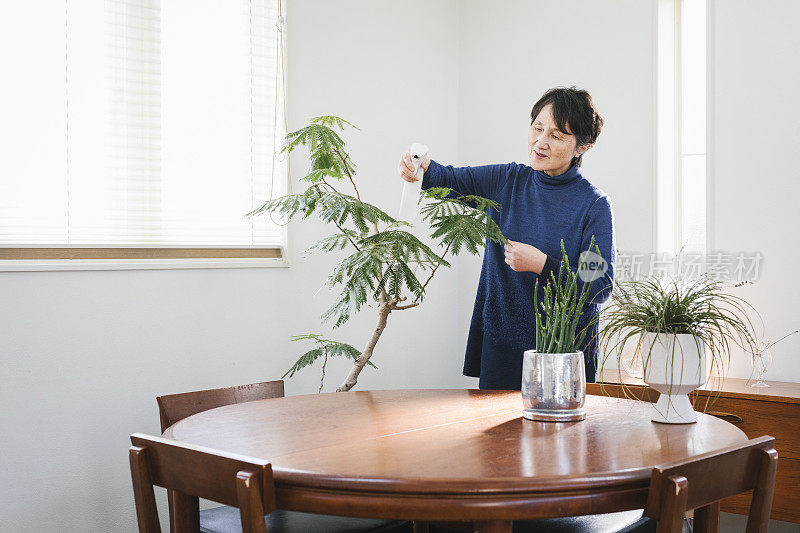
141, 130
681, 174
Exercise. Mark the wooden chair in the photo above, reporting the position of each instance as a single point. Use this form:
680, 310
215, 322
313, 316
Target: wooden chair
698, 483
200, 472
173, 408
183, 508
705, 480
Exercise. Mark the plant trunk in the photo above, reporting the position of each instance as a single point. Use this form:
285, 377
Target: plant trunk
358, 365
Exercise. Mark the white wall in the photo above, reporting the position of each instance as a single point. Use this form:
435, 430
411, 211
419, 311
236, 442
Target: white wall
753, 145
83, 354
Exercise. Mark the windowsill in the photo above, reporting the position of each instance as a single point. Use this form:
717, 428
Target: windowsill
31, 259
140, 264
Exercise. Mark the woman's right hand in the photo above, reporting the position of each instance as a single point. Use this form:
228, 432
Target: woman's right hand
406, 166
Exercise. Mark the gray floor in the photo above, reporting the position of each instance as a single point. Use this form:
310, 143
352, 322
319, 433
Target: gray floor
735, 523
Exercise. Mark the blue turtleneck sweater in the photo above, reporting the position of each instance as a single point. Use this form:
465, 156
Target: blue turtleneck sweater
539, 210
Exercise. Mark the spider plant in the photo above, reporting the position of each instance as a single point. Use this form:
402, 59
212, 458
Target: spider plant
701, 307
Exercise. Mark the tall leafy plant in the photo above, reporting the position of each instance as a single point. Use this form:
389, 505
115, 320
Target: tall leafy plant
385, 262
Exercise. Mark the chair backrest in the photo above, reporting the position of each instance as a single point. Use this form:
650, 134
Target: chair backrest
200, 472
706, 479
175, 407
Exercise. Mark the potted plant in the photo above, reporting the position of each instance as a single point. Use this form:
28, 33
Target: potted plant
681, 330
553, 374
385, 261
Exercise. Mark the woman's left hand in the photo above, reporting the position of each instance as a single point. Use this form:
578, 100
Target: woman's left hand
523, 257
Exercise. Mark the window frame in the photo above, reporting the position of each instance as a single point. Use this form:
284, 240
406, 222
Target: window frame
39, 258
669, 230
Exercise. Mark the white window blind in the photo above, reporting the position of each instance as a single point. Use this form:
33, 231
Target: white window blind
140, 123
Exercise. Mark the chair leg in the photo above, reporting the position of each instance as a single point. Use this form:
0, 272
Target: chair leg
706, 519
673, 507
494, 526
143, 495
250, 506
185, 513
760, 505
171, 509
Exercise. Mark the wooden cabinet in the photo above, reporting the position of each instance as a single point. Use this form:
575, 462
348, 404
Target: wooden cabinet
773, 410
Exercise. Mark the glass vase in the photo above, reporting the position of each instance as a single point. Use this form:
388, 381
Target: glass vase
761, 360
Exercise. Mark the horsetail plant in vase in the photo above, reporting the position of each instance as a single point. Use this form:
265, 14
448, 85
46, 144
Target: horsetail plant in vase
553, 374
681, 330
384, 260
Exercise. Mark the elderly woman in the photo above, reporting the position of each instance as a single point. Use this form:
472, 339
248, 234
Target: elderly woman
541, 204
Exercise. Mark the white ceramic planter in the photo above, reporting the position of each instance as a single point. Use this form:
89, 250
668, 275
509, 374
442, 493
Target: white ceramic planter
674, 365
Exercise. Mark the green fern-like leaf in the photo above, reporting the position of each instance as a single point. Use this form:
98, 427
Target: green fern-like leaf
358, 273
479, 202
337, 241
397, 244
324, 347
327, 151
461, 221
307, 359
439, 192
340, 208
398, 248
384, 256
291, 205
331, 207
319, 175
332, 120
397, 275
461, 231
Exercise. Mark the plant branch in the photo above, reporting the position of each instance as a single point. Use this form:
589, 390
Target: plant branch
325, 362
416, 300
384, 296
361, 360
396, 307
337, 223
347, 171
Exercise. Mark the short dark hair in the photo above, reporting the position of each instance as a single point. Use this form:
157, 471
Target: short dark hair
574, 112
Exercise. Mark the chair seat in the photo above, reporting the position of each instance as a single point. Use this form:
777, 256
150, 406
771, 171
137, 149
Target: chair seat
625, 522
226, 519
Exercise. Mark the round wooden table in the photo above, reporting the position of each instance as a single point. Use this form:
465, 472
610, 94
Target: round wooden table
455, 455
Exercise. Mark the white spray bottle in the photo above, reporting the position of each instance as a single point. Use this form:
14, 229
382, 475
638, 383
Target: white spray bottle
409, 202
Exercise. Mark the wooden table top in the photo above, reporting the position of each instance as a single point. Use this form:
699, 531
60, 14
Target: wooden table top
449, 442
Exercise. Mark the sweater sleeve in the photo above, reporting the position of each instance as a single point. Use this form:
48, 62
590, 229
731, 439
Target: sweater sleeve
480, 181
598, 271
